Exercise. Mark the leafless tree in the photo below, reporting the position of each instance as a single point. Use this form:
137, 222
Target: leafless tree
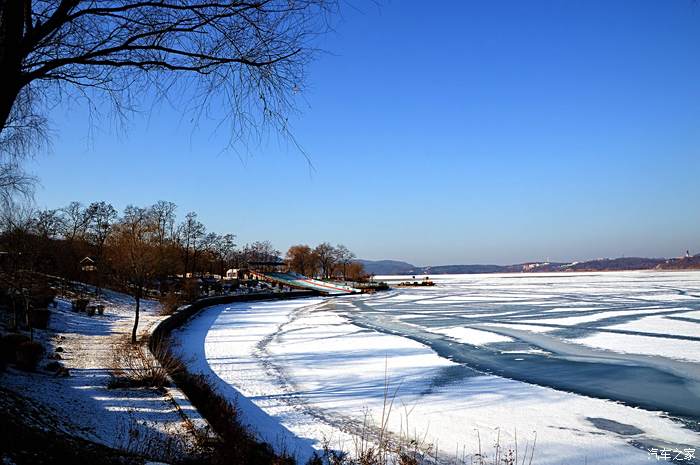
163, 213
327, 258
190, 234
221, 247
133, 255
101, 217
48, 223
301, 259
261, 251
75, 220
344, 258
13, 181
251, 56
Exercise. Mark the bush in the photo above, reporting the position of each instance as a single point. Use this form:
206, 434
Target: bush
135, 366
42, 296
39, 318
9, 345
29, 355
79, 305
169, 303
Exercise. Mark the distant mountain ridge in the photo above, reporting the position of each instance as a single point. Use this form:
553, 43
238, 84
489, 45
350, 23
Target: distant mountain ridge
397, 267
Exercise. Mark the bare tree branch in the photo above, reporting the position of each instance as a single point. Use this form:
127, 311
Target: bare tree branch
247, 57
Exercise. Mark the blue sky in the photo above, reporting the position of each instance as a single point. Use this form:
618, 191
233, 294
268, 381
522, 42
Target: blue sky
477, 132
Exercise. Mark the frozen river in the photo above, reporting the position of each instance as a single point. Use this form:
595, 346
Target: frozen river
593, 368
621, 336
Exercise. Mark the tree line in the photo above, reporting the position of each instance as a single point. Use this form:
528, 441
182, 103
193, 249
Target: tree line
141, 250
325, 261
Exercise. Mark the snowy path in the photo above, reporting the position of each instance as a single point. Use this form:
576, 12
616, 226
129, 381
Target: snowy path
128, 419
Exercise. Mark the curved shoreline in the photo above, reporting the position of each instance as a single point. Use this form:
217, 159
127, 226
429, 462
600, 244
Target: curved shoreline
160, 335
240, 317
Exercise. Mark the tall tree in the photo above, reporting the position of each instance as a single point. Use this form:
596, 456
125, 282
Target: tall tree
75, 219
190, 233
301, 259
327, 258
221, 248
344, 257
101, 218
163, 217
163, 214
355, 271
133, 255
48, 223
261, 251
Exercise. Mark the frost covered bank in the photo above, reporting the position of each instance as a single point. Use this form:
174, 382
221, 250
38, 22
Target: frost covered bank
311, 370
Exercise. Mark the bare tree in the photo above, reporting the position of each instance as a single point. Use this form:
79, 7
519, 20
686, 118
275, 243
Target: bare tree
344, 257
13, 181
221, 248
22, 263
163, 213
301, 259
75, 221
133, 255
101, 217
326, 256
48, 223
355, 271
261, 251
163, 217
251, 55
190, 234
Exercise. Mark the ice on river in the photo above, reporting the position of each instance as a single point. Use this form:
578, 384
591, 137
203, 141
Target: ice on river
549, 357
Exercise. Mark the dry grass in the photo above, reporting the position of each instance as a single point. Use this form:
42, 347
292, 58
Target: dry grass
377, 445
143, 438
170, 302
134, 365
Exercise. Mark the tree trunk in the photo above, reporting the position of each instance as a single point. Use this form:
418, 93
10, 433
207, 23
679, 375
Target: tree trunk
8, 95
136, 317
11, 31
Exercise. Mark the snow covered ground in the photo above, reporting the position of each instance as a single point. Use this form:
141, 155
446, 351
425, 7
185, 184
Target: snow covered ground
550, 352
127, 419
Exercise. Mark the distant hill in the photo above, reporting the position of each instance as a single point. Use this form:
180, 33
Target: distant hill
395, 267
387, 267
615, 264
462, 269
685, 263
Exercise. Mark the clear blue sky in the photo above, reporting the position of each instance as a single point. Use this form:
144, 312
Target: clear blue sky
475, 132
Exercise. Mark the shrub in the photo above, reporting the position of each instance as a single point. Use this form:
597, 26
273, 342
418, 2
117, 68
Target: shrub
79, 305
42, 296
39, 318
135, 366
29, 355
169, 303
8, 346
